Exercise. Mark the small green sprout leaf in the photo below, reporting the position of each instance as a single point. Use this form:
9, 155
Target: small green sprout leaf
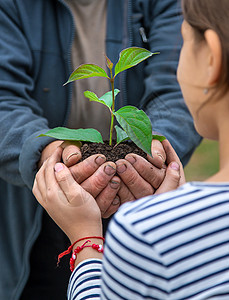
106, 99
86, 71
130, 57
121, 135
92, 96
66, 134
109, 63
160, 138
137, 125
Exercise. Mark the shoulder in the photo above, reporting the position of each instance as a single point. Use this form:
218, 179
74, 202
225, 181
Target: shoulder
150, 216
9, 7
164, 237
19, 9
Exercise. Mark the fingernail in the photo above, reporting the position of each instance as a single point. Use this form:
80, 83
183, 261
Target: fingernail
58, 167
175, 166
109, 170
116, 201
121, 168
114, 184
131, 159
70, 155
100, 160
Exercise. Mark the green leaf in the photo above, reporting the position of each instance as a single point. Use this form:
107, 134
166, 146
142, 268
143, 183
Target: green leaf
109, 63
91, 96
137, 125
121, 135
106, 99
160, 138
66, 134
86, 71
130, 57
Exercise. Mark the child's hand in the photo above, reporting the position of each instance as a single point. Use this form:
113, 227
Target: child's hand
71, 207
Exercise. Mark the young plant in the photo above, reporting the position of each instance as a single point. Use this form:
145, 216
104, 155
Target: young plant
134, 123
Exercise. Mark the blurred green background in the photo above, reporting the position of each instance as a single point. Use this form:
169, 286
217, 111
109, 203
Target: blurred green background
204, 162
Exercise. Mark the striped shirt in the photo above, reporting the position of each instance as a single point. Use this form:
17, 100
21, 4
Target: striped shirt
170, 246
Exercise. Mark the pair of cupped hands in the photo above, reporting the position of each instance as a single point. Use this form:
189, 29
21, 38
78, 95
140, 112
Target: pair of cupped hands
77, 194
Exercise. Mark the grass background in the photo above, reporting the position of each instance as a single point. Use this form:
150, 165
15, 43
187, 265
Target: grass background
204, 161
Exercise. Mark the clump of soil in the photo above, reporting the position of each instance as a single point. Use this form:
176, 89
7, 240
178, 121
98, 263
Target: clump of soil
112, 153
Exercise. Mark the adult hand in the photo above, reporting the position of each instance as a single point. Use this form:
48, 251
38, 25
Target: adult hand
141, 177
163, 154
98, 178
158, 157
174, 172
171, 156
70, 206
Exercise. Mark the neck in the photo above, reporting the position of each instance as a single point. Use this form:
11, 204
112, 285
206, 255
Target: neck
224, 150
222, 120
223, 174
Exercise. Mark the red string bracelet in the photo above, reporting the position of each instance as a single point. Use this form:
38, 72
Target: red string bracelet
71, 247
99, 248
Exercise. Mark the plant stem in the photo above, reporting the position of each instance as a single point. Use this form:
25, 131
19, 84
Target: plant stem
112, 109
111, 128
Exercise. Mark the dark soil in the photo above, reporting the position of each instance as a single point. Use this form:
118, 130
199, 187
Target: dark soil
111, 153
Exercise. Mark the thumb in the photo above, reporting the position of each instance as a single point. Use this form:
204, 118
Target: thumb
158, 154
71, 152
171, 180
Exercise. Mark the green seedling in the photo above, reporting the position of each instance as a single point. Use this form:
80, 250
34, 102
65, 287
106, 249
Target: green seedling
134, 124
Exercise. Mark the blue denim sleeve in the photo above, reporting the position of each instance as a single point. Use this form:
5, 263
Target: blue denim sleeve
20, 115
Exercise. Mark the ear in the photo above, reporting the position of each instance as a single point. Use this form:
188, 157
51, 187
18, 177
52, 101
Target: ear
215, 56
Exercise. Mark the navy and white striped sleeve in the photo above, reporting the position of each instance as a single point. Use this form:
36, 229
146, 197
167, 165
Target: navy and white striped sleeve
84, 282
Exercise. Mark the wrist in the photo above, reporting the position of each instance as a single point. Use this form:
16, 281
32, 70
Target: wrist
90, 246
85, 230
87, 249
90, 240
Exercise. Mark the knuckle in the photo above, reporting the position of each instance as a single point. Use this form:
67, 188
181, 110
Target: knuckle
36, 179
131, 179
50, 194
62, 176
174, 177
100, 182
89, 163
77, 176
156, 178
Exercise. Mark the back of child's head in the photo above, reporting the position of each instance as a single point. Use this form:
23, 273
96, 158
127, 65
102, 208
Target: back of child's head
211, 14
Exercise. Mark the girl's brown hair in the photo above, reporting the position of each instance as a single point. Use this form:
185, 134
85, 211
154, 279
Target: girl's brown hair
211, 14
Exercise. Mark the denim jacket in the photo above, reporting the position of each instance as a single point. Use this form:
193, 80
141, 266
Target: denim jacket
35, 61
